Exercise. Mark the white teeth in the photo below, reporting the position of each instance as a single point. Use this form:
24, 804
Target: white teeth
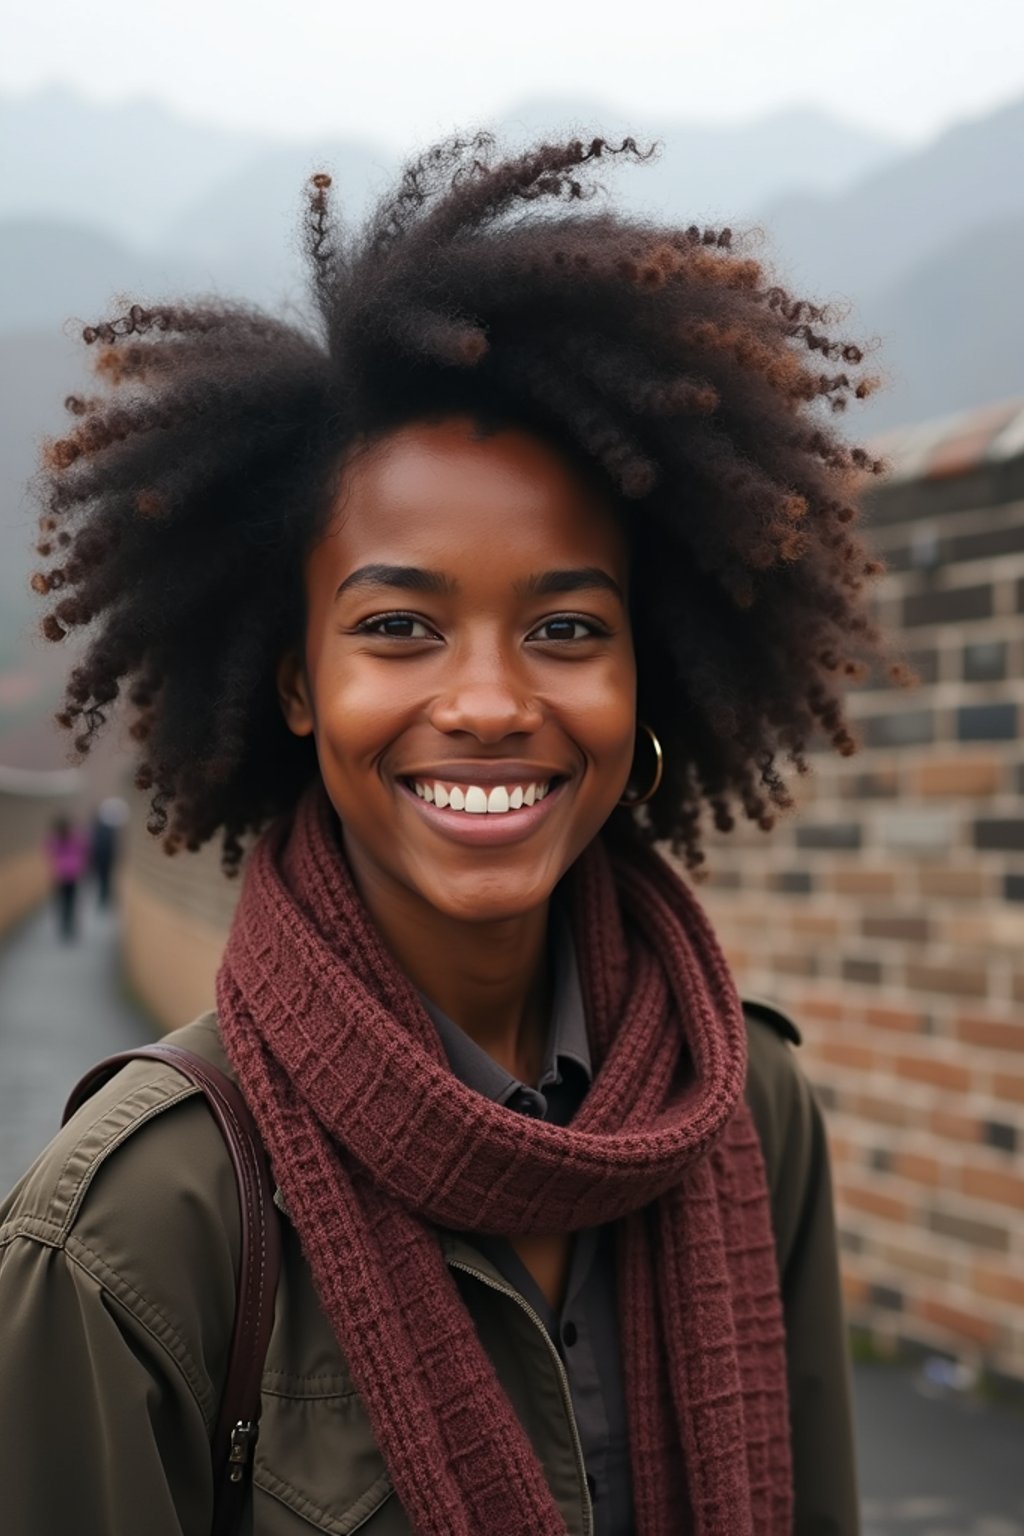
479, 801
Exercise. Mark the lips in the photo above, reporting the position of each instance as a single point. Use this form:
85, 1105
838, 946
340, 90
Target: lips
484, 814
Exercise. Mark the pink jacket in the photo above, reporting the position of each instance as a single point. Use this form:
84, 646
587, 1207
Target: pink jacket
68, 856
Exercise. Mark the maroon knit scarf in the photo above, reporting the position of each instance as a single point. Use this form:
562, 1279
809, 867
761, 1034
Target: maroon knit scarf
375, 1145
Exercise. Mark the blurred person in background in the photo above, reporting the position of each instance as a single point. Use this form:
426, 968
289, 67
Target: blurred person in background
110, 818
67, 853
531, 549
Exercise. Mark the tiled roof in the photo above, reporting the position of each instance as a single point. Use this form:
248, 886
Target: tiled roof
952, 445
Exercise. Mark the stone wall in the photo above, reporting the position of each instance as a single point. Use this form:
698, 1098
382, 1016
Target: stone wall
888, 916
176, 914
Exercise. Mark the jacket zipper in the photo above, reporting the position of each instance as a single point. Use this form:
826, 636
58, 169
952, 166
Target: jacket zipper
563, 1380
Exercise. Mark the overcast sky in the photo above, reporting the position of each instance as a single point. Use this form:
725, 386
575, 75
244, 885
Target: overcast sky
401, 71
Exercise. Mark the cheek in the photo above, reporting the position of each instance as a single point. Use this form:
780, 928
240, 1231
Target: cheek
358, 714
602, 716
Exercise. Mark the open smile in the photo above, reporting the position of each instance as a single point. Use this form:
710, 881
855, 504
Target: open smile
479, 799
484, 814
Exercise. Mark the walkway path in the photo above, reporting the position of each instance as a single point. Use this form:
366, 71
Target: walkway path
62, 1008
929, 1467
936, 1465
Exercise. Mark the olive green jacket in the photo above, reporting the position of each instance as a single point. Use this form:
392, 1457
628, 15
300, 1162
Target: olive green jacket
118, 1254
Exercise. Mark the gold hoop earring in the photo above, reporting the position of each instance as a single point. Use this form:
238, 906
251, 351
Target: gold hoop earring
659, 768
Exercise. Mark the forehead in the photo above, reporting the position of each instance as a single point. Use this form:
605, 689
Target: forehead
434, 491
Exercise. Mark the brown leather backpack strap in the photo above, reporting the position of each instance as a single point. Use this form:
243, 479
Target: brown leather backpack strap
259, 1266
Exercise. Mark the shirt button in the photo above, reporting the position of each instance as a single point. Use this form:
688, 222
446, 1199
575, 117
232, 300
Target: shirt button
570, 1334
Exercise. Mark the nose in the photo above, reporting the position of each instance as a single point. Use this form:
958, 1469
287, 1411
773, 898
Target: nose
486, 695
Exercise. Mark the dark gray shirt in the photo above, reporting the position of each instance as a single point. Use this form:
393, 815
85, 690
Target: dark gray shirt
585, 1331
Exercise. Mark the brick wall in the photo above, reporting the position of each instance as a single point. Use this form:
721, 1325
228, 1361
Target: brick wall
888, 916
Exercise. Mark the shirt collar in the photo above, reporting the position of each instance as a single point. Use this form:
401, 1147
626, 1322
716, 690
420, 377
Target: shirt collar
567, 1035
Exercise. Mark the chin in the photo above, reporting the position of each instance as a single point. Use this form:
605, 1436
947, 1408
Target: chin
487, 896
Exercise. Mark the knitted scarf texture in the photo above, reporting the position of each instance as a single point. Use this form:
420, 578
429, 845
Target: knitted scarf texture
376, 1146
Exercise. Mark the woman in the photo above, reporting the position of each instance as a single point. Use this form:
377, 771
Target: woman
67, 854
536, 545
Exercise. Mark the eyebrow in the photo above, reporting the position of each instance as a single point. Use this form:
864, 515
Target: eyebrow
407, 578
582, 579
413, 578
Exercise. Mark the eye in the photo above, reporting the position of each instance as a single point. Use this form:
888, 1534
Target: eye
397, 626
568, 626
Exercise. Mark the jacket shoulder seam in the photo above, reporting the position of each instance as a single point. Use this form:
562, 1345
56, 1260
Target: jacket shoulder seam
97, 1142
34, 1229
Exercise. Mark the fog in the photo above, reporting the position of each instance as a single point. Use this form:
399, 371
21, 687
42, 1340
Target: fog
313, 67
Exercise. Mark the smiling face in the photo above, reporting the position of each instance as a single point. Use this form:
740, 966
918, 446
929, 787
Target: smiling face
468, 672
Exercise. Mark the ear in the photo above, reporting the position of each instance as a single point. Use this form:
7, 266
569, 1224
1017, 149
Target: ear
294, 694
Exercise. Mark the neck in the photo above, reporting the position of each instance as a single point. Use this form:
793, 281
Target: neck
492, 979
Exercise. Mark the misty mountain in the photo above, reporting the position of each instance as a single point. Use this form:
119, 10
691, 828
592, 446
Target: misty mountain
926, 245
245, 231
127, 170
859, 241
149, 177
56, 273
37, 372
100, 201
952, 329
714, 172
928, 252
